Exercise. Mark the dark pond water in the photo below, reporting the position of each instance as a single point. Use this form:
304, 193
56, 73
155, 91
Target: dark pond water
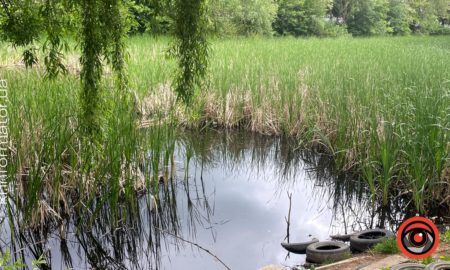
230, 193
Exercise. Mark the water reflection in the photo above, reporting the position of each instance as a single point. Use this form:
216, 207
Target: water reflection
225, 191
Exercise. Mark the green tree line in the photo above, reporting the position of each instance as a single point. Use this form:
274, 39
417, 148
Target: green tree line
304, 17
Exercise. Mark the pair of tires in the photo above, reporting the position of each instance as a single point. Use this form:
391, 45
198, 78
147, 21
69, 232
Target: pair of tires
333, 251
365, 240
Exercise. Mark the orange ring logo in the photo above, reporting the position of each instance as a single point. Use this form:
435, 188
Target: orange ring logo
418, 237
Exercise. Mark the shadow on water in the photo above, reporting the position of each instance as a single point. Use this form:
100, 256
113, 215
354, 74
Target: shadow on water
234, 194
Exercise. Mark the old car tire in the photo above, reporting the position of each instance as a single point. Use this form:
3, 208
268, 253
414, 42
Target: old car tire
299, 248
364, 240
327, 251
341, 237
408, 266
438, 266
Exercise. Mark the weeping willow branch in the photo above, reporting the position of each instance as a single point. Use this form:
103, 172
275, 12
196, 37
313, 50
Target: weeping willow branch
91, 71
103, 35
191, 46
22, 26
53, 45
114, 17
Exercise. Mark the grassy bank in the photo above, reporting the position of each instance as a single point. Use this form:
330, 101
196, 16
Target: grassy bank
381, 106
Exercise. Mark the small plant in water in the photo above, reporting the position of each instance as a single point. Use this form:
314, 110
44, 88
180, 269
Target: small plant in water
39, 261
7, 264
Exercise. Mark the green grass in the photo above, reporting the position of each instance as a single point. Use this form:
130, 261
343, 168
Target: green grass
380, 106
388, 246
428, 260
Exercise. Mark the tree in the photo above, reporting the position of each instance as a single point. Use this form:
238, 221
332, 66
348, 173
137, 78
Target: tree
400, 17
301, 17
341, 10
241, 17
22, 23
315, 11
441, 10
424, 17
368, 17
221, 16
255, 17
151, 16
289, 18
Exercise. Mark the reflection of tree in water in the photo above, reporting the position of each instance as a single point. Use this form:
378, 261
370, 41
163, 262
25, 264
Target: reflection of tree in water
100, 243
134, 239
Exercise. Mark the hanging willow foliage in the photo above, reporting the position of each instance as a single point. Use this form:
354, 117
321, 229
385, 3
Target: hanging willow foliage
91, 52
21, 26
114, 17
103, 36
54, 25
191, 46
103, 27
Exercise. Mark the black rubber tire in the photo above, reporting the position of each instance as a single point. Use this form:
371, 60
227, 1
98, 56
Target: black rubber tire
364, 240
408, 266
341, 237
327, 251
438, 266
299, 248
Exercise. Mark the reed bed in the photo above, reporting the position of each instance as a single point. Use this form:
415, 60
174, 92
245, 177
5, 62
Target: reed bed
55, 171
379, 106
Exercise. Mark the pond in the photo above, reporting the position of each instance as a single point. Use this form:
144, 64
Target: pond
237, 195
